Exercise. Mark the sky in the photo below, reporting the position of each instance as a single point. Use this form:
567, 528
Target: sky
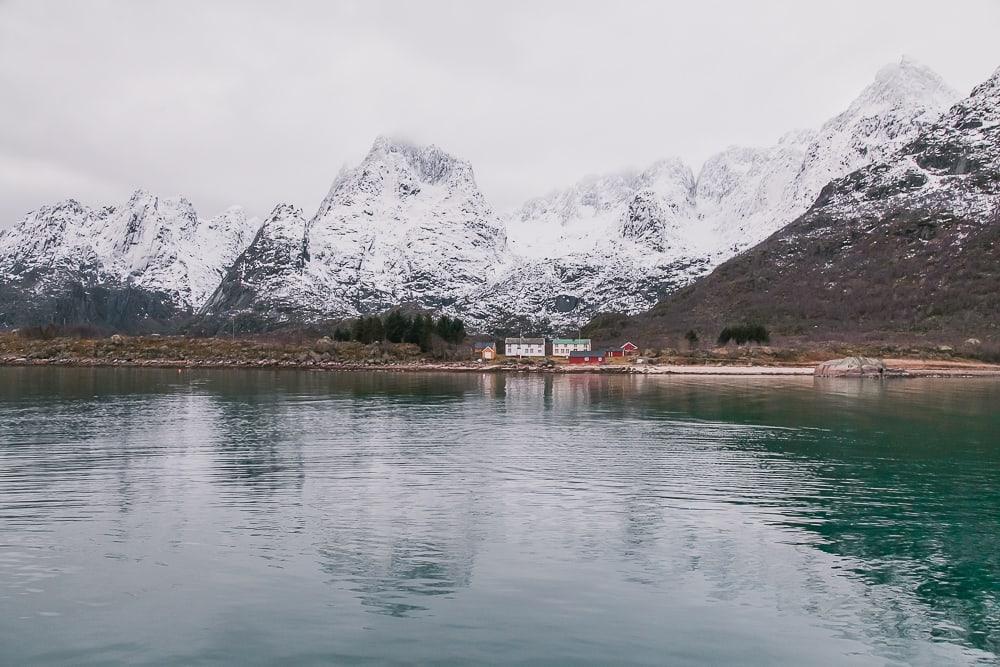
256, 103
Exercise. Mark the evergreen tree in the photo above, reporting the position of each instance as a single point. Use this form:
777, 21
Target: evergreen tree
745, 333
377, 331
359, 330
396, 327
457, 331
443, 328
427, 330
368, 329
415, 332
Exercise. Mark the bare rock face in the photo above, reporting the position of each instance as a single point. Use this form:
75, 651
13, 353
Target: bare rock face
852, 367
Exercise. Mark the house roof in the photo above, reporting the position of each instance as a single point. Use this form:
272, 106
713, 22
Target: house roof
627, 343
571, 341
525, 341
484, 346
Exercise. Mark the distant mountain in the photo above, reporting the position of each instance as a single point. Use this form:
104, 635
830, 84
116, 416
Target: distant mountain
907, 245
149, 258
622, 242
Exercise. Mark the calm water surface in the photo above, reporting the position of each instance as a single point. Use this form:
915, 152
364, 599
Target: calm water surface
258, 517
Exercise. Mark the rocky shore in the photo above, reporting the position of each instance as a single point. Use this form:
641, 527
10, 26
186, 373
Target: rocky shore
467, 367
324, 355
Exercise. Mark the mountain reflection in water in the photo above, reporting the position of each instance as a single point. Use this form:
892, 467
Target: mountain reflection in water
265, 516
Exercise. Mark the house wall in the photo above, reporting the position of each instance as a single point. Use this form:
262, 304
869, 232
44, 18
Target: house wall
596, 359
563, 349
514, 350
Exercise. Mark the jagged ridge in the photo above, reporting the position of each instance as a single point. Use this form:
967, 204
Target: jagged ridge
153, 248
907, 245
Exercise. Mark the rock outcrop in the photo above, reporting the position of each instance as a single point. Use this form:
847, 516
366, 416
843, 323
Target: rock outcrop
852, 367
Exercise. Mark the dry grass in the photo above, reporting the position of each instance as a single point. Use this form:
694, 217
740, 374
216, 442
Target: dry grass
234, 351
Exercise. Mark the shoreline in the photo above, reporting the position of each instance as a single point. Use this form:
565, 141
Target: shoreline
916, 369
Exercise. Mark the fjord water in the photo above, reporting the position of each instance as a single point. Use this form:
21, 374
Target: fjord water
188, 517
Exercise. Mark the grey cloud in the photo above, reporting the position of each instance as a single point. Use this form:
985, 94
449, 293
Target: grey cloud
256, 103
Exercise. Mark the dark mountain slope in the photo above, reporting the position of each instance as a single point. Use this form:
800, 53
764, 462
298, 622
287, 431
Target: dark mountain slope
909, 246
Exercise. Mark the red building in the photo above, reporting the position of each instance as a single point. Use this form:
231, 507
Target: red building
629, 349
586, 358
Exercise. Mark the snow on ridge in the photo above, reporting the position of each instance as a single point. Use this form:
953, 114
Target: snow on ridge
903, 100
148, 241
407, 225
741, 196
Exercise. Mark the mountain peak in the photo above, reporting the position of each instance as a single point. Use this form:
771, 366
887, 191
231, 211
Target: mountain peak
428, 163
400, 167
905, 66
234, 211
282, 211
387, 143
907, 82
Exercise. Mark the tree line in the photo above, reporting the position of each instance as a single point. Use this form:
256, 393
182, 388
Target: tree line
397, 327
745, 333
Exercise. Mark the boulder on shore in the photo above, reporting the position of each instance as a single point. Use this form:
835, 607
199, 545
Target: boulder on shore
852, 367
324, 345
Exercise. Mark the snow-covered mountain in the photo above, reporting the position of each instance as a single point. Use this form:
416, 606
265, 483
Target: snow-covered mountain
744, 194
620, 242
904, 100
407, 226
148, 243
906, 245
580, 218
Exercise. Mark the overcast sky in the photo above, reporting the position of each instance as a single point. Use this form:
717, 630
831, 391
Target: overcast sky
255, 103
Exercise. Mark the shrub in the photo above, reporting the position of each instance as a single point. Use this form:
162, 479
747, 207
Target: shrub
742, 334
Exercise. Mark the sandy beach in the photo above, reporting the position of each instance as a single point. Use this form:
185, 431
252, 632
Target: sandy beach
901, 367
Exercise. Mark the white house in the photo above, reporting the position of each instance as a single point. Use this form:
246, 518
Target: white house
561, 347
524, 347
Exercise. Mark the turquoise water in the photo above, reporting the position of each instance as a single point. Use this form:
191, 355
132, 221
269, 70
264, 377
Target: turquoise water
152, 516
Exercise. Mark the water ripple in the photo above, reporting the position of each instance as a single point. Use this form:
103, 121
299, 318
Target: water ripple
574, 518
